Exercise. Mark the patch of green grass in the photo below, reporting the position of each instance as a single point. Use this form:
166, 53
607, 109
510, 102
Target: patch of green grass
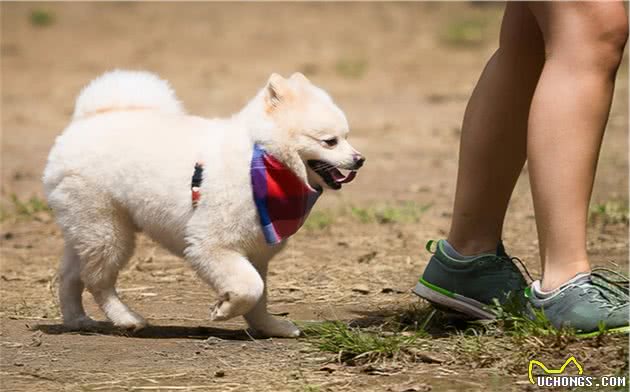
351, 68
516, 323
4, 214
41, 17
470, 345
319, 220
404, 212
407, 212
355, 344
29, 207
364, 215
512, 321
468, 31
421, 333
311, 388
418, 317
610, 212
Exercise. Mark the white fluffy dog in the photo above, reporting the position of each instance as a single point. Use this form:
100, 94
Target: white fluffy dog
125, 163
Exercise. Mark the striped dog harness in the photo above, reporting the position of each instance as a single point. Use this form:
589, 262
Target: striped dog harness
282, 199
195, 184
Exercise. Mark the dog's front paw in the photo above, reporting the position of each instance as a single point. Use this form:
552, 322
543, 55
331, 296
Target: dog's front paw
232, 304
218, 314
221, 309
130, 321
273, 327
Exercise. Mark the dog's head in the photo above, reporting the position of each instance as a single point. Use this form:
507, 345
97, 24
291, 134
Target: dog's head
310, 126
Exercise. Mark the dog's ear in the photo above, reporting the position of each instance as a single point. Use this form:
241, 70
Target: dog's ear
299, 77
278, 91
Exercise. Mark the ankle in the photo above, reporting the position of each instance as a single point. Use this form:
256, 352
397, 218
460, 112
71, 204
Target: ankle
472, 248
553, 278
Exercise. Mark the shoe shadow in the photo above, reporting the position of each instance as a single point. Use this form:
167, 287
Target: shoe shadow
435, 322
149, 332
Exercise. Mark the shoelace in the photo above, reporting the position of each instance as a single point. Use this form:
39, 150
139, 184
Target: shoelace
522, 264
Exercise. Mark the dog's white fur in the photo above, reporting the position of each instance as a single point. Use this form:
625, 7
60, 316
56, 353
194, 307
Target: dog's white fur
125, 163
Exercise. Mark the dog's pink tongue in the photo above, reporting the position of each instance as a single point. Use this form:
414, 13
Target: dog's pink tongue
346, 179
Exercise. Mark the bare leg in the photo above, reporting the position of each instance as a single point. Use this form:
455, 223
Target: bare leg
494, 133
584, 43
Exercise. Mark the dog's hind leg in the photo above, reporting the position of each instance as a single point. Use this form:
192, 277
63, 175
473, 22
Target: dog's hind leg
101, 262
103, 237
259, 318
71, 290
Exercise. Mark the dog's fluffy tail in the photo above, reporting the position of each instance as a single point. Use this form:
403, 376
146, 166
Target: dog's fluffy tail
126, 90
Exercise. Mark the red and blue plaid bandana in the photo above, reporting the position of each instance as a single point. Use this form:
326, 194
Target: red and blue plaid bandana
282, 199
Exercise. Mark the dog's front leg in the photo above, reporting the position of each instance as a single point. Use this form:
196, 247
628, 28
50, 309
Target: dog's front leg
237, 283
259, 318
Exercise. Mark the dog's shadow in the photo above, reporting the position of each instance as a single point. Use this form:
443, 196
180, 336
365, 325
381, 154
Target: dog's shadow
149, 332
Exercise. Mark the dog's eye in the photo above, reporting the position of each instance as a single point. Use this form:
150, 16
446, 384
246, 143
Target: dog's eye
332, 142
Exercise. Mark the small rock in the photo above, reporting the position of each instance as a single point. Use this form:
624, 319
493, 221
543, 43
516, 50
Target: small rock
366, 258
212, 340
361, 289
424, 356
391, 290
12, 344
417, 388
376, 371
36, 339
8, 235
330, 367
219, 373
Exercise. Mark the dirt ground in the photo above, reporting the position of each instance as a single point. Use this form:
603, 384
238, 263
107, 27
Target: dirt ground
402, 72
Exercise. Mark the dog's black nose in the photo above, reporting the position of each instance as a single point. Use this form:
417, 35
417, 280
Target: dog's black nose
359, 160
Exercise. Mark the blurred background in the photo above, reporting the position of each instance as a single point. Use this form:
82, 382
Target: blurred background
402, 72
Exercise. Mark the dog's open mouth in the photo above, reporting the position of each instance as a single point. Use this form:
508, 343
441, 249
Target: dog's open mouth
332, 176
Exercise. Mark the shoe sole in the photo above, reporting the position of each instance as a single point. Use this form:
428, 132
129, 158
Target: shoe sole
618, 330
472, 308
452, 301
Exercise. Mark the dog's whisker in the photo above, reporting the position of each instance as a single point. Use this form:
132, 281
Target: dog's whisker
322, 165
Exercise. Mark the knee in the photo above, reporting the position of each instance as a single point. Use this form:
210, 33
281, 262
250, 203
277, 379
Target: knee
607, 49
599, 45
613, 30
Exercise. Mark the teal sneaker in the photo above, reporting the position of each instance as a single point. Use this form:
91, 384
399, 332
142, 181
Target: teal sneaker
470, 284
588, 303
